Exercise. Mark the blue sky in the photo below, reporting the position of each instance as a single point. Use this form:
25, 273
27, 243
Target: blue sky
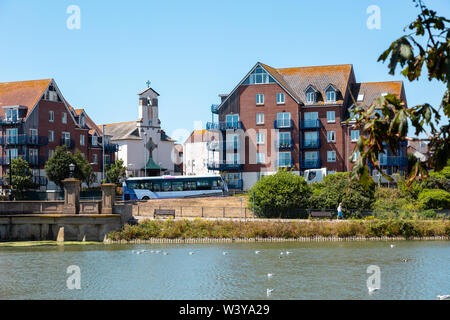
191, 51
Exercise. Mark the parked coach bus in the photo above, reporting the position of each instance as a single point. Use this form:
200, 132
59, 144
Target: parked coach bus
144, 188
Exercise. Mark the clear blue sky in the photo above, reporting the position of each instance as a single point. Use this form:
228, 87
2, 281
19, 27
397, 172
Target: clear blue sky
191, 51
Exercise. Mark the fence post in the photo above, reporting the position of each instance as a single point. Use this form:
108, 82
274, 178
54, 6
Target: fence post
224, 212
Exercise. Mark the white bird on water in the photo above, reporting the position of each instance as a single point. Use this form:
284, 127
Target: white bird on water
392, 246
444, 297
257, 252
372, 289
269, 292
191, 253
288, 252
165, 253
269, 275
225, 253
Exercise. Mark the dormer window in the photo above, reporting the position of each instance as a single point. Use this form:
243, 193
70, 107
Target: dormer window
82, 121
12, 114
94, 140
311, 95
330, 94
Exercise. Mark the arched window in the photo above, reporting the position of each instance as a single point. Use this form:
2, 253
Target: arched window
259, 76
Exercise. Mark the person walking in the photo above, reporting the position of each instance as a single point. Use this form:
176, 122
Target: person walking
339, 210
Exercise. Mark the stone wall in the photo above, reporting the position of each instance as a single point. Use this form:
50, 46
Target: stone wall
46, 207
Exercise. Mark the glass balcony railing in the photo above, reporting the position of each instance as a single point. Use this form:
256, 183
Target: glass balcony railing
310, 143
23, 139
283, 124
284, 144
310, 124
224, 166
310, 164
235, 125
284, 163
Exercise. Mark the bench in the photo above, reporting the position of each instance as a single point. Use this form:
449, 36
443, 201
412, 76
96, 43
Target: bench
320, 214
164, 212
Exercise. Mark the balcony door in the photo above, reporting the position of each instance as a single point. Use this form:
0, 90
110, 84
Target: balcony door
232, 120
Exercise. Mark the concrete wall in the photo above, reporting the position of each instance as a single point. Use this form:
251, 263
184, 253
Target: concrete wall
57, 227
45, 207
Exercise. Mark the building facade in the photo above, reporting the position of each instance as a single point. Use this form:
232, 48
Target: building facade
293, 118
198, 149
35, 119
144, 147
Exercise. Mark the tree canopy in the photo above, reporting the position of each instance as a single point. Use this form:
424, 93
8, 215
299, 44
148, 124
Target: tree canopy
21, 176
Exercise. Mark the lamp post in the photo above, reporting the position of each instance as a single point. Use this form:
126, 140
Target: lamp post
145, 154
10, 177
72, 169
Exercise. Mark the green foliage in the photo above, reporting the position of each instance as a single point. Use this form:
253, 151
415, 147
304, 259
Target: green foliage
57, 167
338, 188
387, 199
115, 172
391, 127
21, 176
279, 195
434, 199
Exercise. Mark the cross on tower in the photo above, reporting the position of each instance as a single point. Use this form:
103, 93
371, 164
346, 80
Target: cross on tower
148, 83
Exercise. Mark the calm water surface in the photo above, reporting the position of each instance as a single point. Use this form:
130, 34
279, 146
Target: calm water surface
324, 270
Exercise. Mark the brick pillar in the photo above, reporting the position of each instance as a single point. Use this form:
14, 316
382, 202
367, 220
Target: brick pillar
108, 197
71, 196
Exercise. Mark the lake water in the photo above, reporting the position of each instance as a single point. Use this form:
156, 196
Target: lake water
314, 270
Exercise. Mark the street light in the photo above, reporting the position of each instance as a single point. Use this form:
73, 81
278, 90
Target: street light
72, 169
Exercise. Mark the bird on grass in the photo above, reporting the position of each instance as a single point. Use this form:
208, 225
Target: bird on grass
444, 297
269, 292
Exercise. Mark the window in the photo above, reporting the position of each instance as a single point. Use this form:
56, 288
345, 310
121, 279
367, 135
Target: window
283, 119
11, 135
259, 99
331, 156
331, 136
284, 159
311, 139
95, 158
311, 116
311, 95
355, 135
280, 98
12, 114
260, 158
258, 76
66, 138
311, 156
233, 158
284, 138
94, 140
51, 116
355, 155
82, 140
51, 135
11, 154
360, 97
82, 121
259, 138
232, 142
64, 117
331, 94
51, 153
260, 118
331, 116
232, 120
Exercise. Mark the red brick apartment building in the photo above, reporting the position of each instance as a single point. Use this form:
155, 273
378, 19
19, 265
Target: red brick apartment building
35, 119
293, 117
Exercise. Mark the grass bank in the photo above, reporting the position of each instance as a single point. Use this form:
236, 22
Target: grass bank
200, 228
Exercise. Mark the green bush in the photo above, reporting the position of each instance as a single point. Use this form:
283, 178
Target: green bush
434, 199
279, 195
338, 188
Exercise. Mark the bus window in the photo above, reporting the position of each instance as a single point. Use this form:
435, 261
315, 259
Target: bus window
156, 187
166, 186
190, 185
177, 186
203, 184
131, 184
148, 185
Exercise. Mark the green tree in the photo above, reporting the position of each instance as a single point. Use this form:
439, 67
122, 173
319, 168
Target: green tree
280, 195
21, 176
115, 172
427, 43
57, 167
434, 199
335, 189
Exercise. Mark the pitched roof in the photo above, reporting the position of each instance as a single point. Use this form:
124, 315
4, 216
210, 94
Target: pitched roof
373, 90
25, 93
122, 131
197, 136
90, 123
151, 165
320, 77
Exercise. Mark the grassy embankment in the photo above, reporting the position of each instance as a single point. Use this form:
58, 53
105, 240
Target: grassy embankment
199, 228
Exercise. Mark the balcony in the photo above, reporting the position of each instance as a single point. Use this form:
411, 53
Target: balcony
9, 121
396, 161
222, 126
284, 163
213, 145
235, 184
310, 124
111, 147
284, 144
310, 144
283, 124
224, 166
310, 164
23, 139
32, 160
69, 143
215, 108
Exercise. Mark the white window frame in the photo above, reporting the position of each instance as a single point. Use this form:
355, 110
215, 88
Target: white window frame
280, 98
331, 156
355, 156
334, 116
12, 114
64, 118
311, 96
260, 138
260, 118
311, 155
259, 99
260, 158
351, 135
95, 158
332, 91
82, 140
94, 140
51, 136
331, 136
51, 116
281, 118
284, 158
